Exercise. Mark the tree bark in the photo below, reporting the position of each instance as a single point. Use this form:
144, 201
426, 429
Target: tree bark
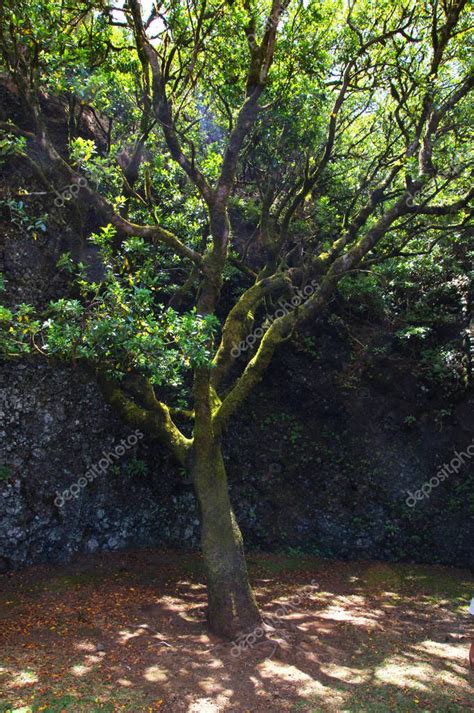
232, 606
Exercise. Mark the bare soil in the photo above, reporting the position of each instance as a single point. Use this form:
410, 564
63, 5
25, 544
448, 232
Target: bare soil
127, 632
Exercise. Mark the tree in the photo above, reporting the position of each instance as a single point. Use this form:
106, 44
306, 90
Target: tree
337, 132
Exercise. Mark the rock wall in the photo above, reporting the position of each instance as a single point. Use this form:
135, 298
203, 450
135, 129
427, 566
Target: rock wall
55, 427
311, 468
328, 469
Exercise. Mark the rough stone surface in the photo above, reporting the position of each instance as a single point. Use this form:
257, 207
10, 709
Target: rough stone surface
55, 426
328, 483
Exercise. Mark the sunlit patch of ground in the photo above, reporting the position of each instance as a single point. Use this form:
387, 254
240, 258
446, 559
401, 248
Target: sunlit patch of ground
127, 632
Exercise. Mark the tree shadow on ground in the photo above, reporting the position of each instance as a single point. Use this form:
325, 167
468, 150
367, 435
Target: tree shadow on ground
127, 631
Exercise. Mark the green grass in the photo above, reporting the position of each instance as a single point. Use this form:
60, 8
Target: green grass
58, 705
381, 699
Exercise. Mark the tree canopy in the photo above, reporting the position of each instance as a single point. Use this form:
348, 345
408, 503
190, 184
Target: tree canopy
248, 155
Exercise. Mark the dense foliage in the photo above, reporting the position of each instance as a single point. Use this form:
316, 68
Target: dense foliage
243, 151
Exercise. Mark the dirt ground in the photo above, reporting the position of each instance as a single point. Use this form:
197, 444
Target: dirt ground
127, 632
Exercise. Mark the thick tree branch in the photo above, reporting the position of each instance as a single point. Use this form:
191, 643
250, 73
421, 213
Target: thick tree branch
153, 233
155, 418
161, 104
236, 324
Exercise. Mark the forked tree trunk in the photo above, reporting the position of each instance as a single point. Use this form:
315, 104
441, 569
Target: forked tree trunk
232, 606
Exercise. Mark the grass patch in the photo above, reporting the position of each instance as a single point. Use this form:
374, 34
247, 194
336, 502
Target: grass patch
59, 704
375, 699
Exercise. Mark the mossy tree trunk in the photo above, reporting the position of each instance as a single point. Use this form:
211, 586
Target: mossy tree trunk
232, 608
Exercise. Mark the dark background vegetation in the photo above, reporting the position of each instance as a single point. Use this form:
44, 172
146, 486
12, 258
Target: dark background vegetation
365, 404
